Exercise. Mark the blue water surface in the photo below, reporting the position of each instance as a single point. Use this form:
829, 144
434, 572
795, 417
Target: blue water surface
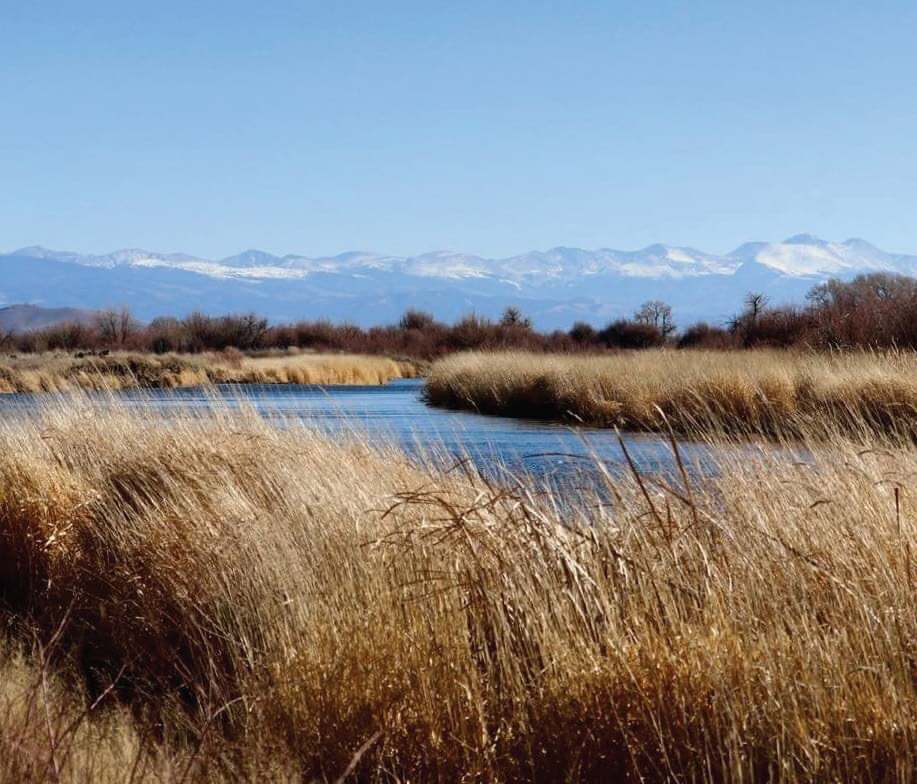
395, 413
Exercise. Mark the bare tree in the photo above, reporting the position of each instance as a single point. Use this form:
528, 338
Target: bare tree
416, 319
658, 314
246, 331
115, 327
755, 303
512, 317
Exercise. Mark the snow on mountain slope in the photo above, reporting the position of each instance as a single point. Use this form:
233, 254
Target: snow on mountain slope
666, 261
555, 286
445, 264
800, 255
215, 269
123, 257
804, 254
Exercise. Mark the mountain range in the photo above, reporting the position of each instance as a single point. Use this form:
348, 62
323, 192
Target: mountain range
554, 287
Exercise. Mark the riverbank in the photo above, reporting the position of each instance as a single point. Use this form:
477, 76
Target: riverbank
712, 392
64, 372
216, 598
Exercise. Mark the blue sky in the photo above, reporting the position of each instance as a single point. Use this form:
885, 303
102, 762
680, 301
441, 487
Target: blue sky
490, 128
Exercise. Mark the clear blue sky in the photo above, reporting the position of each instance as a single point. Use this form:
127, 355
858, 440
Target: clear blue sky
488, 127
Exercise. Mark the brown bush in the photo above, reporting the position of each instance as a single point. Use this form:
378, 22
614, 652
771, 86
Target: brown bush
704, 335
631, 334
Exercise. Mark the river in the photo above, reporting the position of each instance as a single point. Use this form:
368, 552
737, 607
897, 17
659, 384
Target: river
396, 413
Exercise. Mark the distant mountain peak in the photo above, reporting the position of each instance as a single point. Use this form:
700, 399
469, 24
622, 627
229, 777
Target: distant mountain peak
41, 252
858, 242
804, 239
251, 258
748, 247
656, 249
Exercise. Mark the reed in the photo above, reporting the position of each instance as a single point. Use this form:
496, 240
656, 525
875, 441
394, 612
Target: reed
64, 372
748, 392
241, 600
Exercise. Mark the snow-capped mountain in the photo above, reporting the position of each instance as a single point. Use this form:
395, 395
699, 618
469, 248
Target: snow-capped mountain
804, 254
125, 256
555, 286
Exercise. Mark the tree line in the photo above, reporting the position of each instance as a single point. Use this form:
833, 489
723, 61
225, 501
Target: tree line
875, 310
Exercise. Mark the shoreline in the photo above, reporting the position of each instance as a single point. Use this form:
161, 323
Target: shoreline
65, 372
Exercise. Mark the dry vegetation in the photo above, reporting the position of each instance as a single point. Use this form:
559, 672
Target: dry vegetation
61, 372
213, 597
51, 731
756, 392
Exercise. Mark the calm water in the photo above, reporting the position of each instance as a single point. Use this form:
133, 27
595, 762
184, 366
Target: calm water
396, 413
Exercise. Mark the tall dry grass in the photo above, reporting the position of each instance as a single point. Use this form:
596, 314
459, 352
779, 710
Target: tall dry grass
63, 372
749, 392
248, 601
51, 731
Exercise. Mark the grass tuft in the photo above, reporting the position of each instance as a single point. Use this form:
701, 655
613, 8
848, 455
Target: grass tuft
747, 393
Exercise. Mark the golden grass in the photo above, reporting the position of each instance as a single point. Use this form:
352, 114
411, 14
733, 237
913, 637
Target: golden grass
248, 601
50, 730
46, 733
748, 392
62, 372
